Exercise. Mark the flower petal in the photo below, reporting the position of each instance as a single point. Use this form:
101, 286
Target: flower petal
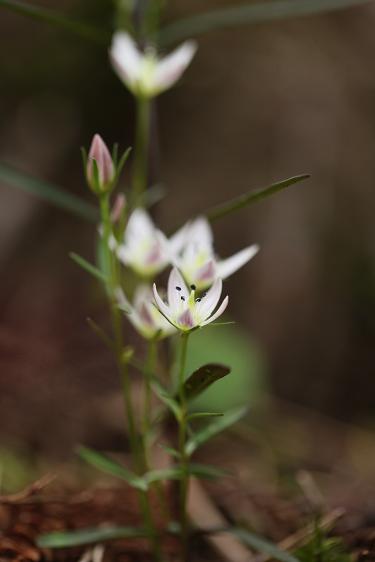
164, 309
170, 68
179, 240
209, 302
218, 313
125, 57
185, 320
226, 267
201, 233
174, 294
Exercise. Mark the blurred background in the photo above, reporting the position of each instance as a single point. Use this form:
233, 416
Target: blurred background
260, 103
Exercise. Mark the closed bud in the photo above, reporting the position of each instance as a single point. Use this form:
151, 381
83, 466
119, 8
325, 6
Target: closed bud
100, 169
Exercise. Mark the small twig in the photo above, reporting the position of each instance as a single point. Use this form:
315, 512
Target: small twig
302, 536
31, 490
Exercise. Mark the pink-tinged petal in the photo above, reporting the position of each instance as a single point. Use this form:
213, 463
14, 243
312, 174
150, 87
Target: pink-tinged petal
206, 274
100, 153
171, 67
126, 58
122, 301
164, 309
225, 268
209, 302
185, 320
140, 226
146, 317
176, 289
218, 313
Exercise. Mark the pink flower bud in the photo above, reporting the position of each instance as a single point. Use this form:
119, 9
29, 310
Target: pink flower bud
100, 154
118, 207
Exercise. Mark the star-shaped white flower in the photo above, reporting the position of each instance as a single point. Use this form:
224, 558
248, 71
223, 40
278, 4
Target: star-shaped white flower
145, 248
144, 73
184, 310
196, 259
143, 314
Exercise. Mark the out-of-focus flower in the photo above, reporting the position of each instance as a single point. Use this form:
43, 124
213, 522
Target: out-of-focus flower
184, 310
145, 248
144, 73
118, 207
196, 259
144, 315
100, 170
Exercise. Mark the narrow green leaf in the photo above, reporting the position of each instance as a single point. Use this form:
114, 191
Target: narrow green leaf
175, 473
48, 192
206, 471
51, 17
80, 537
105, 464
170, 450
87, 266
261, 545
251, 197
197, 415
245, 14
101, 334
166, 398
203, 435
204, 377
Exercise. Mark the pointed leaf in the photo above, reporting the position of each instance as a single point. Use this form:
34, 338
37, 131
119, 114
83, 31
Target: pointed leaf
48, 192
204, 377
80, 537
203, 435
245, 14
261, 545
87, 266
105, 464
198, 415
58, 20
251, 197
166, 398
175, 473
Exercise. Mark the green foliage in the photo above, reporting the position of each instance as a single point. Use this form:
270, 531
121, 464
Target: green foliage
227, 345
48, 192
321, 548
105, 464
56, 19
249, 198
88, 536
262, 545
246, 14
215, 427
203, 378
87, 266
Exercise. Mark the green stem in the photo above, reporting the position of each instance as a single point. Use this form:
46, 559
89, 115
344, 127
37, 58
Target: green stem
136, 445
148, 373
140, 170
184, 459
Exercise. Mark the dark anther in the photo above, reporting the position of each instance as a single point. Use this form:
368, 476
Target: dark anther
178, 288
182, 298
192, 287
199, 300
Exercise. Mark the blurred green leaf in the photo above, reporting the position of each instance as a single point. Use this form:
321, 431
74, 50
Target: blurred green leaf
87, 266
87, 536
248, 14
175, 473
204, 377
48, 192
105, 464
51, 17
166, 398
261, 545
251, 197
205, 434
198, 415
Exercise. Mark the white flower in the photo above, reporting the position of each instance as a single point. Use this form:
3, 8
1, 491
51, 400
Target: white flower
196, 259
145, 248
143, 314
145, 74
184, 310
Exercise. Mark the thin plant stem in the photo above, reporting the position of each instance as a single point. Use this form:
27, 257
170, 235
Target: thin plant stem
148, 373
140, 169
136, 444
184, 459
